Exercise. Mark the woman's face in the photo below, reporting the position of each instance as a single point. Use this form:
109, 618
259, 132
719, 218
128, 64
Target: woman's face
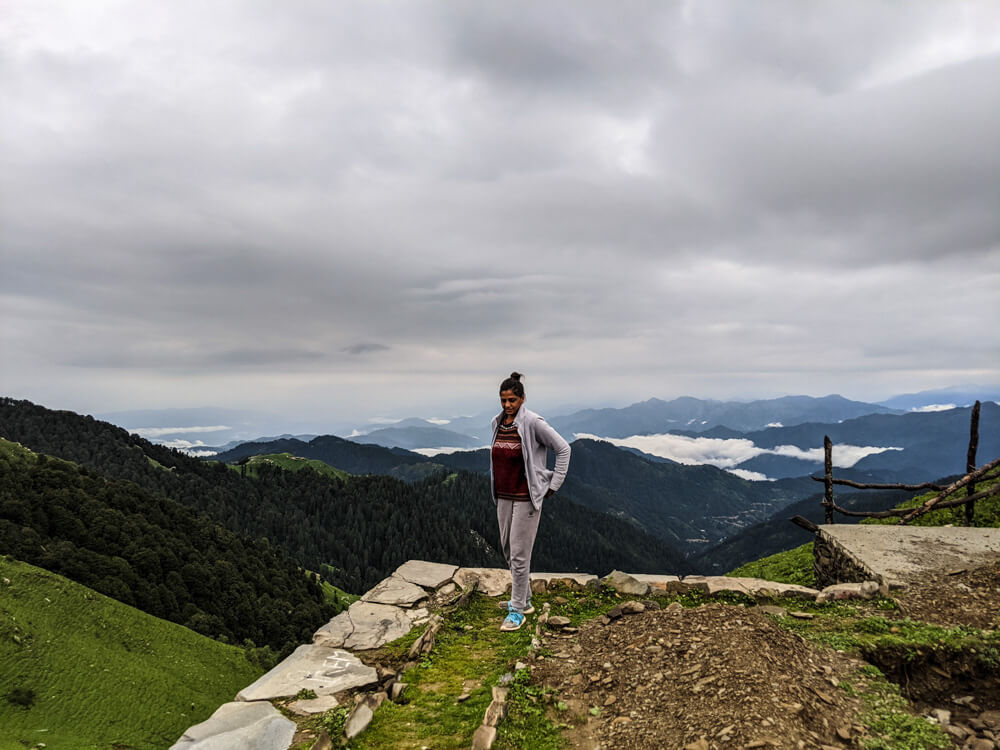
510, 402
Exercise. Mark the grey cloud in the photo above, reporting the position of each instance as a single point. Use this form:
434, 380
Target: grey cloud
641, 196
365, 348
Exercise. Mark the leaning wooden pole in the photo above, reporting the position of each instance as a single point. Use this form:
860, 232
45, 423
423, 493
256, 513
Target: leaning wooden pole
828, 477
970, 464
972, 478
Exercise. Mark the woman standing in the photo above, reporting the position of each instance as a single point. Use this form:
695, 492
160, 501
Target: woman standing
519, 482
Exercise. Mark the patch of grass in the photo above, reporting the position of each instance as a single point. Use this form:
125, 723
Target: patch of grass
526, 724
470, 655
893, 727
987, 513
102, 673
847, 626
792, 566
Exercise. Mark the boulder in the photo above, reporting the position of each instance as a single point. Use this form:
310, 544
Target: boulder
623, 583
838, 591
492, 581
427, 574
322, 669
395, 591
239, 726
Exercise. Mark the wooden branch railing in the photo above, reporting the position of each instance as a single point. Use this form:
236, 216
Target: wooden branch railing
988, 472
970, 464
967, 480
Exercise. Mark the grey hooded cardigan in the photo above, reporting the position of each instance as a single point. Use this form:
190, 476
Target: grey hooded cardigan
537, 436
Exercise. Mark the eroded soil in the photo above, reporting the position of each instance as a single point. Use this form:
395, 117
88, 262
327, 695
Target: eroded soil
960, 597
711, 676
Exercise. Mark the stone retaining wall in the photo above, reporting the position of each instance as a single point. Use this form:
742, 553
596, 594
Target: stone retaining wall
832, 563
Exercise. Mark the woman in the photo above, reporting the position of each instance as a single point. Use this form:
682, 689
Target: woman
519, 481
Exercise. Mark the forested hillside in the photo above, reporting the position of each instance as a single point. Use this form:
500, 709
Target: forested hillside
356, 531
151, 552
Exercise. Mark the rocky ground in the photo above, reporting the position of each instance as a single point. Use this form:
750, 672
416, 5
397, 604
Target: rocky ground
713, 676
724, 676
955, 597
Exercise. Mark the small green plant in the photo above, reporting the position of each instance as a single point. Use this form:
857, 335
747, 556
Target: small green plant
305, 694
21, 696
334, 721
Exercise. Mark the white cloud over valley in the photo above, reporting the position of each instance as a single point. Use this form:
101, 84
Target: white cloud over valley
729, 453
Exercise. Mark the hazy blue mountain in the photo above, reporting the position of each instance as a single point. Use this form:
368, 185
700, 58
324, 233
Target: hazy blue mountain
414, 437
476, 426
210, 426
699, 415
962, 395
934, 444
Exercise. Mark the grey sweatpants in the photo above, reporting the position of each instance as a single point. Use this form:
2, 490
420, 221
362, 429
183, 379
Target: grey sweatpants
518, 526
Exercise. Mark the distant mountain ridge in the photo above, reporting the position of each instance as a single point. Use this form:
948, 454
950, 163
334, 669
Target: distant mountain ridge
412, 437
698, 415
934, 444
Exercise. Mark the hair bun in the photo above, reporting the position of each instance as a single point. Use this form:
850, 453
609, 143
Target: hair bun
516, 376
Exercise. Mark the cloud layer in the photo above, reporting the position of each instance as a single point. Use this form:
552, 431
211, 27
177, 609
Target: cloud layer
349, 209
729, 453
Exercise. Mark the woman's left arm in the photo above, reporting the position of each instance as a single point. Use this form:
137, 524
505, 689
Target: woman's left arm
548, 436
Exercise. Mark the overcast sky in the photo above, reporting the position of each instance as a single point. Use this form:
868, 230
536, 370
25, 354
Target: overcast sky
354, 209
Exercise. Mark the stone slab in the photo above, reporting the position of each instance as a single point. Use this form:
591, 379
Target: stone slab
583, 580
395, 591
240, 726
376, 624
335, 632
311, 706
427, 574
752, 587
658, 582
322, 669
895, 555
358, 721
492, 581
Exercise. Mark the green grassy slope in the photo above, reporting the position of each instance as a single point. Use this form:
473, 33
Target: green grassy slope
104, 675
290, 463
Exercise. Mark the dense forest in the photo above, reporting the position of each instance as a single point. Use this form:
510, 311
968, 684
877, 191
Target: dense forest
356, 531
150, 552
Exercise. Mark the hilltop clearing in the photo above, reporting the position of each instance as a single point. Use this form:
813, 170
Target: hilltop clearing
81, 670
685, 670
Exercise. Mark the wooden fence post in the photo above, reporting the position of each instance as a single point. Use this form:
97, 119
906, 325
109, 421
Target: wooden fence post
828, 477
970, 463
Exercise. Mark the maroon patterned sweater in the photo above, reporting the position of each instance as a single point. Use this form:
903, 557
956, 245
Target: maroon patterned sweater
509, 480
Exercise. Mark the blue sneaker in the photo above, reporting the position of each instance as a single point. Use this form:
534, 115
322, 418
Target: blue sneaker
513, 621
529, 610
